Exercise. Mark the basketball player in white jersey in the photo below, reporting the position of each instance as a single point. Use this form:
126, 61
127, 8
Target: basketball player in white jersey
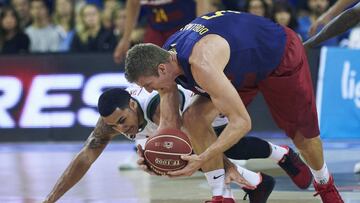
135, 113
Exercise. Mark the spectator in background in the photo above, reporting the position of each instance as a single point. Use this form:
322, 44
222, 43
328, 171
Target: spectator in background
236, 5
316, 9
44, 36
118, 21
12, 39
90, 36
22, 8
163, 19
257, 7
64, 18
284, 14
270, 4
106, 16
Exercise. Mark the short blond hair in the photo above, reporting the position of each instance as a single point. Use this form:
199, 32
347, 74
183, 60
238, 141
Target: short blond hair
143, 60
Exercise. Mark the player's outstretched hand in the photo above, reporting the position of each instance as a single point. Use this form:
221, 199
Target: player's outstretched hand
233, 175
141, 161
193, 165
121, 50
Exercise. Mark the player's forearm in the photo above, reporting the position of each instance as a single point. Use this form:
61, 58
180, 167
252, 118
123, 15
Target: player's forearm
132, 14
95, 144
75, 171
169, 109
340, 24
337, 8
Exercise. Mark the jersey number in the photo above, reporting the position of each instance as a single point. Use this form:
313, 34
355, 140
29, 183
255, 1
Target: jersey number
160, 15
218, 14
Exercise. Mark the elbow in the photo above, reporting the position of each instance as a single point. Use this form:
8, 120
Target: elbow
247, 125
242, 125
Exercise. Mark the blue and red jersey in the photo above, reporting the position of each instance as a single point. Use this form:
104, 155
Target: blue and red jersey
163, 15
256, 46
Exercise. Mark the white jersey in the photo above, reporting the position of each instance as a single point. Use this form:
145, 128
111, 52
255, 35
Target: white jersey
147, 101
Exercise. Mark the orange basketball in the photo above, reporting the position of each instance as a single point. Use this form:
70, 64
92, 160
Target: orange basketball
162, 151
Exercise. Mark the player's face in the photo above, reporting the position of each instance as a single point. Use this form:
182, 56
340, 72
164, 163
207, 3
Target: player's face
163, 81
124, 121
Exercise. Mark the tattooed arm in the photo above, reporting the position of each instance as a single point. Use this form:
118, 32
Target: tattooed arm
93, 147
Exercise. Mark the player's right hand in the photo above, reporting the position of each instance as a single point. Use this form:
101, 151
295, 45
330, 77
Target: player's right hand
120, 50
141, 161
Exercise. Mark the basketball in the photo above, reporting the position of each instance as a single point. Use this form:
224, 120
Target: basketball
163, 151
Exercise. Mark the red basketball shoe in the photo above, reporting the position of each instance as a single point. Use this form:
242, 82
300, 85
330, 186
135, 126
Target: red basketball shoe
328, 192
216, 199
228, 200
298, 171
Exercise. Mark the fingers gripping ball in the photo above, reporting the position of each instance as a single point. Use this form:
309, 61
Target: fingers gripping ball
163, 151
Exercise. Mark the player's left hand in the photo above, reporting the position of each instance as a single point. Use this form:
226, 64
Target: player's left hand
194, 164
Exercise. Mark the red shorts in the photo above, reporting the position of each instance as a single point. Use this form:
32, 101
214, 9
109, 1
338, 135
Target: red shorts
288, 91
157, 37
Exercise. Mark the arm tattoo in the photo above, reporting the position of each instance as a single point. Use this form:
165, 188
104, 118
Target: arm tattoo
98, 142
101, 135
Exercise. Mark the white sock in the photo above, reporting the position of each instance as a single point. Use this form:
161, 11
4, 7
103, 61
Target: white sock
253, 178
321, 176
277, 152
227, 193
216, 180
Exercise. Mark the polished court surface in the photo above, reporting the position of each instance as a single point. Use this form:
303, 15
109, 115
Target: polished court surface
28, 172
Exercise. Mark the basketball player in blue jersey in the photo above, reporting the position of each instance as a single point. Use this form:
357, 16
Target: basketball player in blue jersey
227, 57
164, 18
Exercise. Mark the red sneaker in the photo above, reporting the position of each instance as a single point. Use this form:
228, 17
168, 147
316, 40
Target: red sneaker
228, 200
328, 192
298, 171
215, 199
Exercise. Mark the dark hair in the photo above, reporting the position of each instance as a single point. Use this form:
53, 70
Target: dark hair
56, 17
3, 13
286, 7
112, 99
264, 4
46, 6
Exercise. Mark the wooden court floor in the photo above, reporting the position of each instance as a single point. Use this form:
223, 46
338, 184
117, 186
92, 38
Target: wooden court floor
28, 172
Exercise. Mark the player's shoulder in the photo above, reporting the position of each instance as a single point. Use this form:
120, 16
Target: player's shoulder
135, 90
140, 93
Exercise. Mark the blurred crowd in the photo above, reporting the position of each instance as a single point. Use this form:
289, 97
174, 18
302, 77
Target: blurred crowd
40, 26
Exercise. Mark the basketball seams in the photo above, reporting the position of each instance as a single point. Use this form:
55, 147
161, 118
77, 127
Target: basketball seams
167, 153
172, 136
